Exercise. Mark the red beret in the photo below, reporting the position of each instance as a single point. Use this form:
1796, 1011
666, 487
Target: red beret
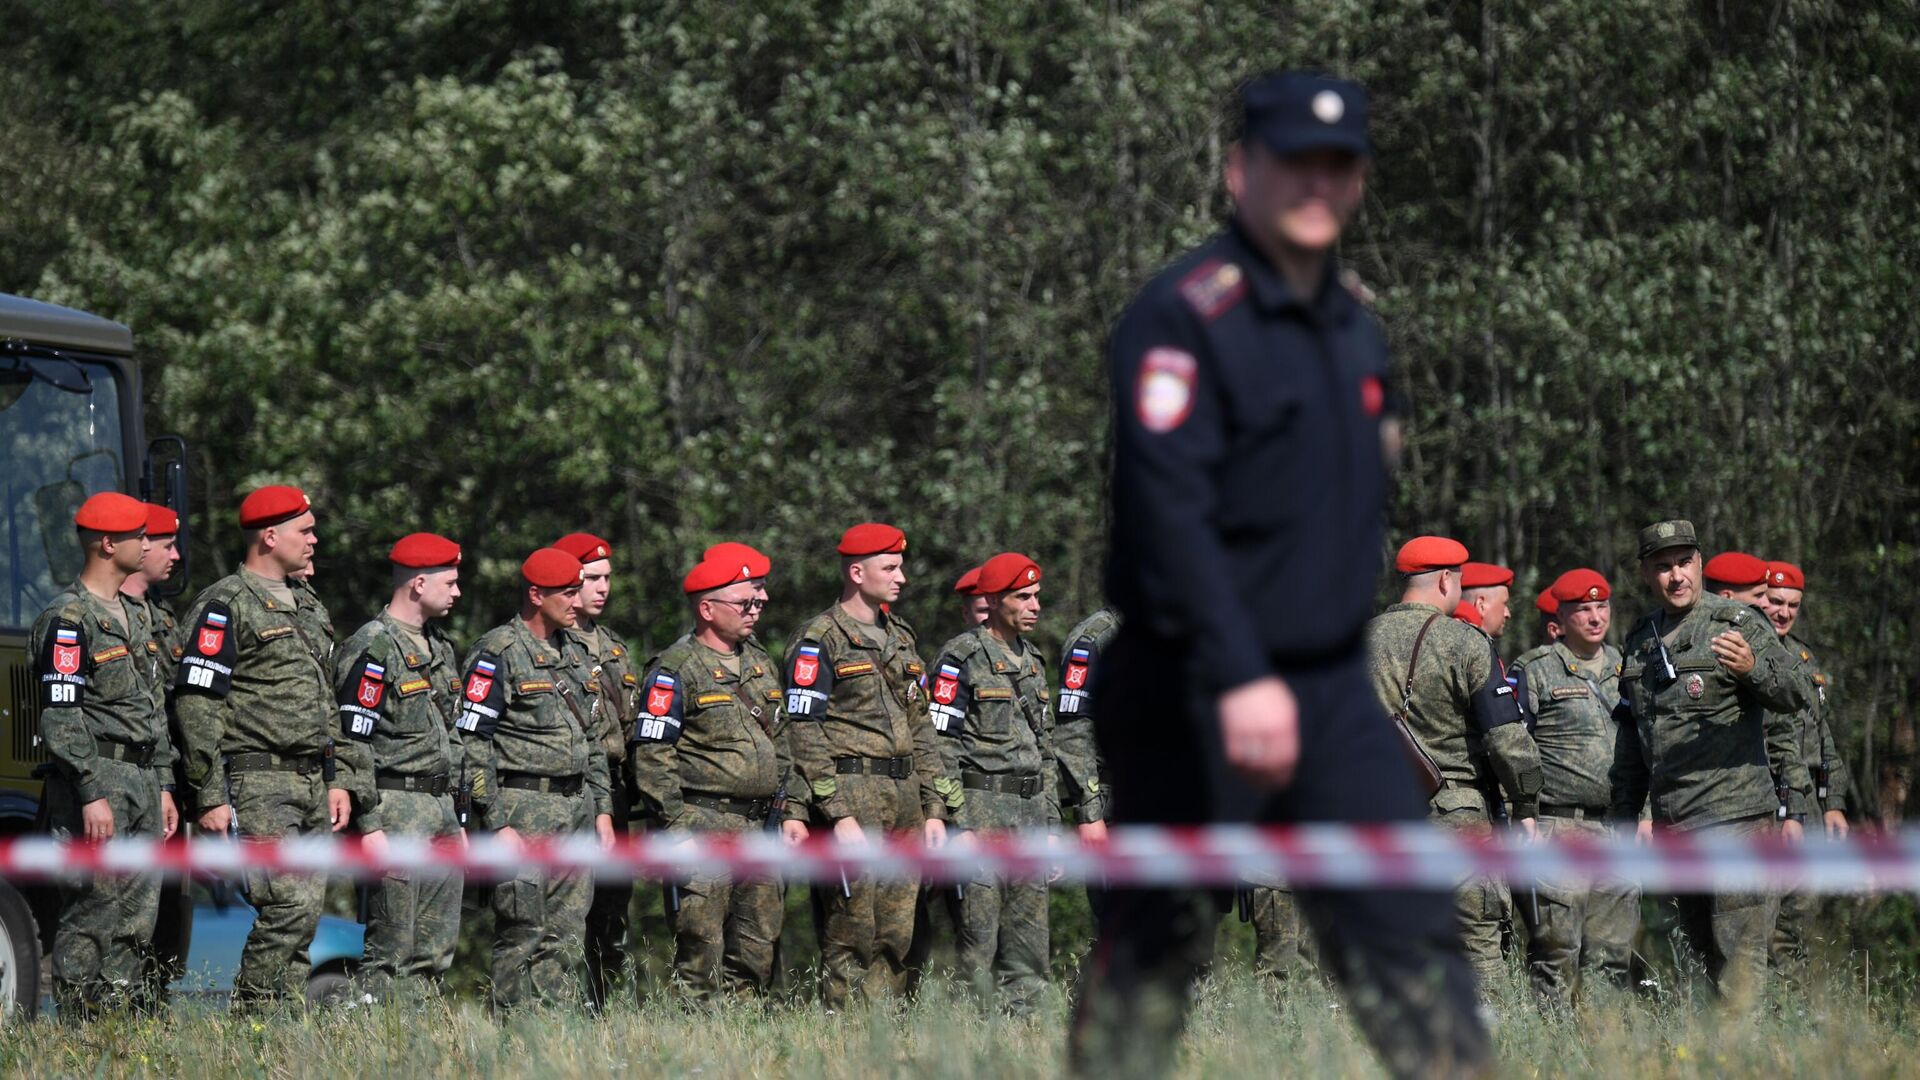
1579, 586
1479, 575
1780, 575
424, 551
551, 568
746, 555
1545, 604
1005, 571
714, 573
272, 505
1467, 613
1736, 568
967, 581
162, 521
112, 512
862, 541
584, 546
1424, 553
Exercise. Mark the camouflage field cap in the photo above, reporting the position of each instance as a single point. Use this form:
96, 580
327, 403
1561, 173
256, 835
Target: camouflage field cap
1667, 534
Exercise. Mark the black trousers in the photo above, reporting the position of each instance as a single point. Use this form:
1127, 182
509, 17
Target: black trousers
1395, 953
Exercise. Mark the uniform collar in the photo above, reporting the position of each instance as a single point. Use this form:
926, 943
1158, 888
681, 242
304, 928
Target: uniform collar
855, 633
1270, 292
102, 617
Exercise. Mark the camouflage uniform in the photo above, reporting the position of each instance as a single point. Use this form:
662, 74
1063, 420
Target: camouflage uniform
104, 728
1570, 702
1832, 783
254, 698
710, 755
160, 629
989, 700
1463, 715
862, 743
532, 764
399, 699
1084, 774
611, 681
1708, 748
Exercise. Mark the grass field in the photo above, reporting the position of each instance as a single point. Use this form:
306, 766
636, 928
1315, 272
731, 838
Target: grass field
1241, 1028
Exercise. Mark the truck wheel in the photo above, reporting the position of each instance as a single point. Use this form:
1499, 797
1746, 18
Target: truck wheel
19, 958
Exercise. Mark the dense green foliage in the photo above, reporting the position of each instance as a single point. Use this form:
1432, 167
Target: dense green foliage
690, 270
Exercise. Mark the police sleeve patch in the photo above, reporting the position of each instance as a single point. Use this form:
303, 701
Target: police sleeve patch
483, 697
1076, 678
360, 696
809, 682
662, 708
1494, 704
62, 666
1163, 393
206, 666
948, 699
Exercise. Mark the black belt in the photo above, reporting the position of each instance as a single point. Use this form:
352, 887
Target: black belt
1577, 813
435, 785
304, 764
552, 785
899, 768
1024, 786
756, 809
131, 753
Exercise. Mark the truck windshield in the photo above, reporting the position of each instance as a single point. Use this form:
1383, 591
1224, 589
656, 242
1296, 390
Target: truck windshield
61, 440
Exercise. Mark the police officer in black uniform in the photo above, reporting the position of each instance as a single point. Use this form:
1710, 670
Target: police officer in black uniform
1248, 487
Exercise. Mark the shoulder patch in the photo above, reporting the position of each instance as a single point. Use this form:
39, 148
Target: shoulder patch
856, 667
706, 700
1163, 393
994, 693
114, 653
1213, 287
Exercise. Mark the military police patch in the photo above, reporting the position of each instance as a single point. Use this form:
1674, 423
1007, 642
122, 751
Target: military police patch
1696, 685
1163, 397
66, 651
480, 680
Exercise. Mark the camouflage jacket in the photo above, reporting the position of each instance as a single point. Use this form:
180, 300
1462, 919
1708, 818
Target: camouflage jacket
1703, 743
696, 734
256, 676
1461, 710
96, 681
851, 696
1570, 703
1832, 780
399, 702
989, 701
1082, 774
522, 710
161, 632
612, 680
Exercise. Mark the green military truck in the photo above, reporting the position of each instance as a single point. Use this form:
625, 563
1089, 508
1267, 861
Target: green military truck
70, 426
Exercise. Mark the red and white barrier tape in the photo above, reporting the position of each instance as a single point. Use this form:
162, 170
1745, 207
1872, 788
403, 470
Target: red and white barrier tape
1326, 856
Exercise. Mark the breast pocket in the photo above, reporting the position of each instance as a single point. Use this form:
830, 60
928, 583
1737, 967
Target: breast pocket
993, 711
1701, 688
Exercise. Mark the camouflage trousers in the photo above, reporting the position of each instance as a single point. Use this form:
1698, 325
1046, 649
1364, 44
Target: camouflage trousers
1732, 931
540, 916
610, 916
268, 805
1002, 931
1572, 927
1788, 950
1480, 903
105, 931
1283, 947
724, 930
867, 930
413, 916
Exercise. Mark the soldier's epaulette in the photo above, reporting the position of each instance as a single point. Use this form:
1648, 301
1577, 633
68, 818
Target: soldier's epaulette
1212, 288
961, 647
1531, 655
905, 626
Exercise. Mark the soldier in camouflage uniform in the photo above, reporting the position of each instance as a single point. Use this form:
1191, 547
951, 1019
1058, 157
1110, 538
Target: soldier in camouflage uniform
1569, 690
710, 755
112, 761
1832, 782
254, 697
989, 701
1704, 733
533, 768
611, 681
396, 680
1442, 677
861, 740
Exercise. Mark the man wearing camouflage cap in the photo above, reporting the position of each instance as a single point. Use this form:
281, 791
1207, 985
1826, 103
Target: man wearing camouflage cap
1705, 743
397, 682
1570, 689
534, 768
